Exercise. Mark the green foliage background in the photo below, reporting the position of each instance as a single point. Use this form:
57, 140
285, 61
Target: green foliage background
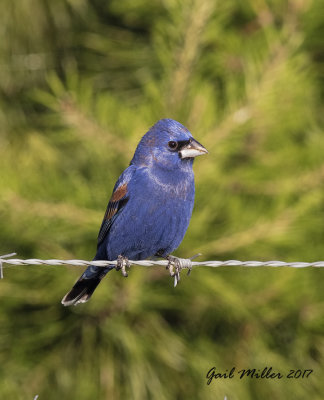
80, 82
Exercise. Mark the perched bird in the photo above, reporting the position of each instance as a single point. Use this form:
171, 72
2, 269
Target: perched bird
150, 207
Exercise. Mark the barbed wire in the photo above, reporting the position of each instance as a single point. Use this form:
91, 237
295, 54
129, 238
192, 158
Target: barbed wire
174, 264
150, 263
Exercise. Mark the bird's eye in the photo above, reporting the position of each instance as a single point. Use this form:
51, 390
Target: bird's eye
173, 145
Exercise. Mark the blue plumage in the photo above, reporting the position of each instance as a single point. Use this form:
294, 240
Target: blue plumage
151, 204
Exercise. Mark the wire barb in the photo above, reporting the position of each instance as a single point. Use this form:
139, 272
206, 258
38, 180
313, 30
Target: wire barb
1, 260
176, 264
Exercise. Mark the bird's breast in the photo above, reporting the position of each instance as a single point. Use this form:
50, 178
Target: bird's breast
176, 185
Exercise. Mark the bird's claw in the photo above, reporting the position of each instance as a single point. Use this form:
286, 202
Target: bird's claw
174, 268
175, 265
122, 263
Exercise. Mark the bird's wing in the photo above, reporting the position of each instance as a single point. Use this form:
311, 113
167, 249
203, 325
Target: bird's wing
119, 198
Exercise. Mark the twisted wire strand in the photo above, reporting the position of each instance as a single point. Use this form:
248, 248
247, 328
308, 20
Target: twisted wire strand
174, 264
184, 263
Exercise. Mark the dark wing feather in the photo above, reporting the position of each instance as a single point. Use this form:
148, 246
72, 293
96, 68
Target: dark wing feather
118, 200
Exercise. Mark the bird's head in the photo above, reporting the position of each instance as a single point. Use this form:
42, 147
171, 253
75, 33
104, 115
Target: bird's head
169, 145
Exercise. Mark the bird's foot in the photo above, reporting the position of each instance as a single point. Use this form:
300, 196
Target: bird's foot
122, 263
175, 265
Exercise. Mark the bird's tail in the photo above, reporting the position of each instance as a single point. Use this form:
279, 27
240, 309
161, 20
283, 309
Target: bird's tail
85, 285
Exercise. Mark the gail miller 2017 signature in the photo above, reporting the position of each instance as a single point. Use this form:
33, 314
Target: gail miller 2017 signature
253, 373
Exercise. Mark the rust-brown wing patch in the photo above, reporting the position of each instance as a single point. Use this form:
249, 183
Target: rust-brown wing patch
119, 193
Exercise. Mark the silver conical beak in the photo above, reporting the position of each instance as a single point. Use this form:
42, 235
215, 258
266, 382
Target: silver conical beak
192, 149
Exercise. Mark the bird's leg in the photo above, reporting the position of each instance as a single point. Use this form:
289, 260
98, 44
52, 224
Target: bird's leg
122, 263
170, 266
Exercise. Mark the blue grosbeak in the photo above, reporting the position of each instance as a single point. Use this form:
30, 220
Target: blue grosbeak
151, 204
